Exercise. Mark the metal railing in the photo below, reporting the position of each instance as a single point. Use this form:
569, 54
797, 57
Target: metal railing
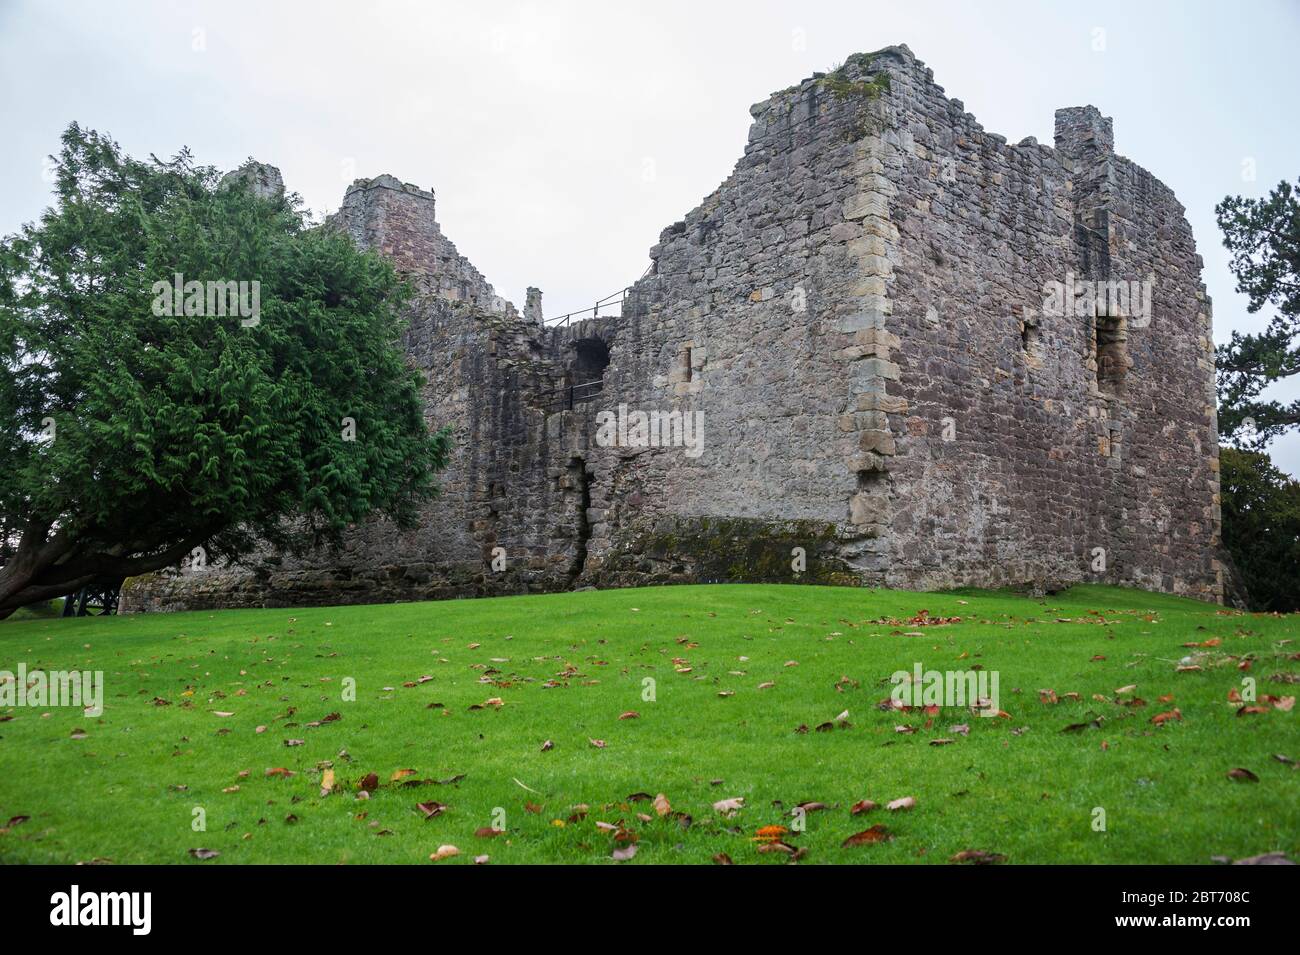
607, 303
560, 399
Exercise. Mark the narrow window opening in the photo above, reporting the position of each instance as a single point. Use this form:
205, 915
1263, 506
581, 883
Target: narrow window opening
1029, 336
578, 481
1110, 352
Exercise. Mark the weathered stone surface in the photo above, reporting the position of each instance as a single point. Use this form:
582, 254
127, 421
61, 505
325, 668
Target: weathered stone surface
859, 314
265, 180
396, 219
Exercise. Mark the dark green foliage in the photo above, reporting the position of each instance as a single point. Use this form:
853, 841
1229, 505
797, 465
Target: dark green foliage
176, 431
1263, 236
1261, 528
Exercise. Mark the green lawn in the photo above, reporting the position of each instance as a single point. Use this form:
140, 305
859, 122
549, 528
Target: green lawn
567, 665
39, 611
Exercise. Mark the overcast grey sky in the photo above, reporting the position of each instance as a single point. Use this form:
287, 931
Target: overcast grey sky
562, 137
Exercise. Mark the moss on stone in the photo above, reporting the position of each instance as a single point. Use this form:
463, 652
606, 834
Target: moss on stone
741, 550
840, 86
860, 92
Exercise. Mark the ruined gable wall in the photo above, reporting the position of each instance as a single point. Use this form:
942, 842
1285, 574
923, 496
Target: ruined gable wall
921, 245
397, 220
740, 320
995, 480
1046, 466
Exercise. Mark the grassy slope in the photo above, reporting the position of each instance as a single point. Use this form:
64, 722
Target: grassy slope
40, 611
1029, 796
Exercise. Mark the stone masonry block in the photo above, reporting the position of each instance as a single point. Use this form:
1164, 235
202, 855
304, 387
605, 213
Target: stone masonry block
881, 442
866, 204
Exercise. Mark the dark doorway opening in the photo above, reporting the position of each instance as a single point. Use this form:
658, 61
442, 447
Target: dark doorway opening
587, 378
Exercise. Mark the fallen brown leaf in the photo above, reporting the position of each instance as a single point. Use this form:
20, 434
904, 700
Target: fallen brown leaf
1268, 858
866, 837
978, 857
729, 807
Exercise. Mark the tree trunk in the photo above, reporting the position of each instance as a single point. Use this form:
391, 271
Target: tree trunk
44, 569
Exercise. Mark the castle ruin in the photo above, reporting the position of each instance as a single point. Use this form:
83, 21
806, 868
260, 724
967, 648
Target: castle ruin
907, 353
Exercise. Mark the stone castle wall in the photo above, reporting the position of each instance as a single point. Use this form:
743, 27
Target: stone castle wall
857, 315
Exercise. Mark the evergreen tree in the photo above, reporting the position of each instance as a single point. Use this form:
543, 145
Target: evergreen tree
1263, 236
1261, 528
139, 425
